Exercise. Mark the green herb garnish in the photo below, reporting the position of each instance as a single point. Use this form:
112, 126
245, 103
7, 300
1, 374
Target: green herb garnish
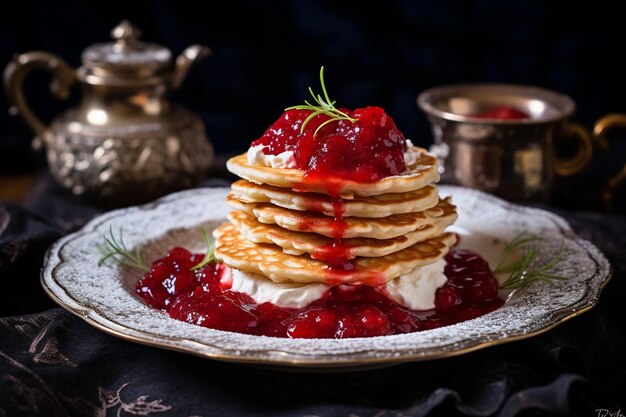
115, 248
324, 106
520, 274
209, 256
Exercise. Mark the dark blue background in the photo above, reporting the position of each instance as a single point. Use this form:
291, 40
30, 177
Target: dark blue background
265, 54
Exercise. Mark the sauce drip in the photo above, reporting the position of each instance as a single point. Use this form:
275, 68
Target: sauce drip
336, 253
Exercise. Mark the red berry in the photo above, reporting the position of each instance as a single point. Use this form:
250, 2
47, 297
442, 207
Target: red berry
285, 133
469, 274
271, 312
447, 297
482, 287
299, 328
179, 254
348, 327
403, 319
168, 277
463, 262
215, 311
316, 322
374, 321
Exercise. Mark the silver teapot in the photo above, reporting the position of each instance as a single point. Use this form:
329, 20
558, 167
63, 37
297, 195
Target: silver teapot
125, 143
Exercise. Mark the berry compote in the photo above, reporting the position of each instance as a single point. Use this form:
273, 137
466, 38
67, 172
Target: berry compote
203, 297
365, 149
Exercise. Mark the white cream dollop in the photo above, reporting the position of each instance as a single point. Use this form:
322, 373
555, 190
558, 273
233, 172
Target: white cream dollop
411, 155
288, 295
415, 290
257, 157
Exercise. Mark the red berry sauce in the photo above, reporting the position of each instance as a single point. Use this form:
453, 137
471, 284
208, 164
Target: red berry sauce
336, 254
502, 112
203, 297
365, 150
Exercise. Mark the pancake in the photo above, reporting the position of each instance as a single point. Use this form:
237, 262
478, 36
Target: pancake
298, 243
421, 173
370, 207
309, 221
269, 260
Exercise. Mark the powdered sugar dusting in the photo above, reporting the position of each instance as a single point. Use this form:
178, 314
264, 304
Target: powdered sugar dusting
104, 296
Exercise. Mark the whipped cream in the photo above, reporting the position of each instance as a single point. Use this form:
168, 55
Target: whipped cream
288, 295
415, 290
411, 155
257, 157
286, 159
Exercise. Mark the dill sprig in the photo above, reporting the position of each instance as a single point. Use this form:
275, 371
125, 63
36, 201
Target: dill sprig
209, 256
514, 245
114, 247
324, 106
519, 269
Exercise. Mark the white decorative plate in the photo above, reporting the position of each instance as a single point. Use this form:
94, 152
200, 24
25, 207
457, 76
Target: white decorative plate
104, 296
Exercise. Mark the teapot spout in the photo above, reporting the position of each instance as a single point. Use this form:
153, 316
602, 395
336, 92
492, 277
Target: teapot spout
184, 62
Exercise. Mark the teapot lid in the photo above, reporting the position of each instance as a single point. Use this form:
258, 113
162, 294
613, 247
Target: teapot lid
127, 57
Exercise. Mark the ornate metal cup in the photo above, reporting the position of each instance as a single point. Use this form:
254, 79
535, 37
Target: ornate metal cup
515, 159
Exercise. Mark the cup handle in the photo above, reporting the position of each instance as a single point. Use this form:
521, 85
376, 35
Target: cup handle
608, 122
63, 77
565, 167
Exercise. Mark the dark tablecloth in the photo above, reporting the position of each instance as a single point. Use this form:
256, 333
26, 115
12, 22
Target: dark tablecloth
54, 364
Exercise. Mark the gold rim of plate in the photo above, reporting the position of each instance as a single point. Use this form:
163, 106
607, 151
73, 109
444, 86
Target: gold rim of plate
277, 358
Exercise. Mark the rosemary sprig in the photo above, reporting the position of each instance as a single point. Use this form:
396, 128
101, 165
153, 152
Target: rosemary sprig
115, 248
209, 256
324, 106
520, 274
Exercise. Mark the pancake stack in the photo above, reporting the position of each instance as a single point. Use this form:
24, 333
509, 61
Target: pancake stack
287, 227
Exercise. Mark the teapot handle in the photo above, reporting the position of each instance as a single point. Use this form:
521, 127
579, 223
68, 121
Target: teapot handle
63, 78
